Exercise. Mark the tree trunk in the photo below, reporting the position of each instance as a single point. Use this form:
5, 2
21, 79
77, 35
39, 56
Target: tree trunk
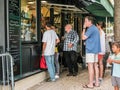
117, 20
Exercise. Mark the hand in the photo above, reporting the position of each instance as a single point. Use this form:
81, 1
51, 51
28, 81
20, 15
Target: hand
84, 43
110, 60
70, 45
84, 26
42, 54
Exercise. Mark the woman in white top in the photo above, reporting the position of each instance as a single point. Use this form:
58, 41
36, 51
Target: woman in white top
100, 26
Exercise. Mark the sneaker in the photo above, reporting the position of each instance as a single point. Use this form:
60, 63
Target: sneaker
49, 80
53, 80
56, 76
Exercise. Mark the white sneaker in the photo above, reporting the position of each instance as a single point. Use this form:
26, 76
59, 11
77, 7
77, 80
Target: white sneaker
53, 80
56, 76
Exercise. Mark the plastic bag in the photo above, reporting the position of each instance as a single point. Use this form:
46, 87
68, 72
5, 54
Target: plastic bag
43, 64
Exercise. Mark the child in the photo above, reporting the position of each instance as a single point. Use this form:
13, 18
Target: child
115, 60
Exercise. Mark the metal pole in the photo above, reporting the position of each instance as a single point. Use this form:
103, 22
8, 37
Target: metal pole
8, 79
3, 68
11, 64
12, 75
106, 26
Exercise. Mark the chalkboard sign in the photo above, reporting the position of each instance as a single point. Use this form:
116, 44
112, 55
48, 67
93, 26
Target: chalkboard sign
14, 31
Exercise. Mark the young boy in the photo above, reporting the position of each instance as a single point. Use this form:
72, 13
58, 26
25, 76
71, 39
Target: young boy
115, 60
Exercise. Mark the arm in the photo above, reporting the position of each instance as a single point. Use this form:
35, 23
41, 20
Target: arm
84, 37
57, 41
113, 61
44, 43
76, 38
43, 47
63, 37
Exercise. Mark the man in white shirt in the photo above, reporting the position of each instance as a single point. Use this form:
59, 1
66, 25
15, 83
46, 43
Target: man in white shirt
50, 39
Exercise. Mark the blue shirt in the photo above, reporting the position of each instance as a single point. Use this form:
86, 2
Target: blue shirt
116, 67
93, 40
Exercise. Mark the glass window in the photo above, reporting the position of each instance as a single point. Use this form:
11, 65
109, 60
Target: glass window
45, 15
28, 20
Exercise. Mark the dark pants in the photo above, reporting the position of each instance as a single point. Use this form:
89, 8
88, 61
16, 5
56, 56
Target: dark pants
71, 60
105, 61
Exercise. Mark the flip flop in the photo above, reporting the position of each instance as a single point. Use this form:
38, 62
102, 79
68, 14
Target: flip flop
86, 86
96, 85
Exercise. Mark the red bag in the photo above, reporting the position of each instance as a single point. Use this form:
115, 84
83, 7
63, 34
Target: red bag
43, 64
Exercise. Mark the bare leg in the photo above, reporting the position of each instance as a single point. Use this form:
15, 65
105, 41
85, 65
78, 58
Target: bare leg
100, 68
96, 73
91, 74
116, 88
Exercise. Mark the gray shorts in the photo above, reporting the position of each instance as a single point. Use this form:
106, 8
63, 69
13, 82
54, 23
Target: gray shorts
116, 81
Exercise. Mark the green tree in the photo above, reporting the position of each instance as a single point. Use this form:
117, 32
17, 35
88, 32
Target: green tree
117, 20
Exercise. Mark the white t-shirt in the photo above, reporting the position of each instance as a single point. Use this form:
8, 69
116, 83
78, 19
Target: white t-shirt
49, 37
102, 42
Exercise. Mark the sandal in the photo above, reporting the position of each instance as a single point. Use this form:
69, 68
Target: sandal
86, 86
96, 85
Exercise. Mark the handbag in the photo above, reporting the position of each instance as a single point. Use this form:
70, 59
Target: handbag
43, 64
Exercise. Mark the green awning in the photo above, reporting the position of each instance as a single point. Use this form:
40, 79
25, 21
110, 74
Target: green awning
101, 8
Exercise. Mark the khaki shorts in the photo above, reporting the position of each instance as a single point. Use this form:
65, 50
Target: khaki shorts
91, 57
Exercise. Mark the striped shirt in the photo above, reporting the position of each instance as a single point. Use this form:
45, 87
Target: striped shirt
71, 37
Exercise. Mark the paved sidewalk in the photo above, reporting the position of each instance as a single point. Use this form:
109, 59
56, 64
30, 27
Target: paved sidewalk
73, 83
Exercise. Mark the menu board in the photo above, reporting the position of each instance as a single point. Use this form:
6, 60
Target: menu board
14, 29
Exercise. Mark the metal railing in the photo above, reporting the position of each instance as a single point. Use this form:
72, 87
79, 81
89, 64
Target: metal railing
7, 77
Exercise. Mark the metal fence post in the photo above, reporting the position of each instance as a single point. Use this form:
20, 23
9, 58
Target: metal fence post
5, 62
